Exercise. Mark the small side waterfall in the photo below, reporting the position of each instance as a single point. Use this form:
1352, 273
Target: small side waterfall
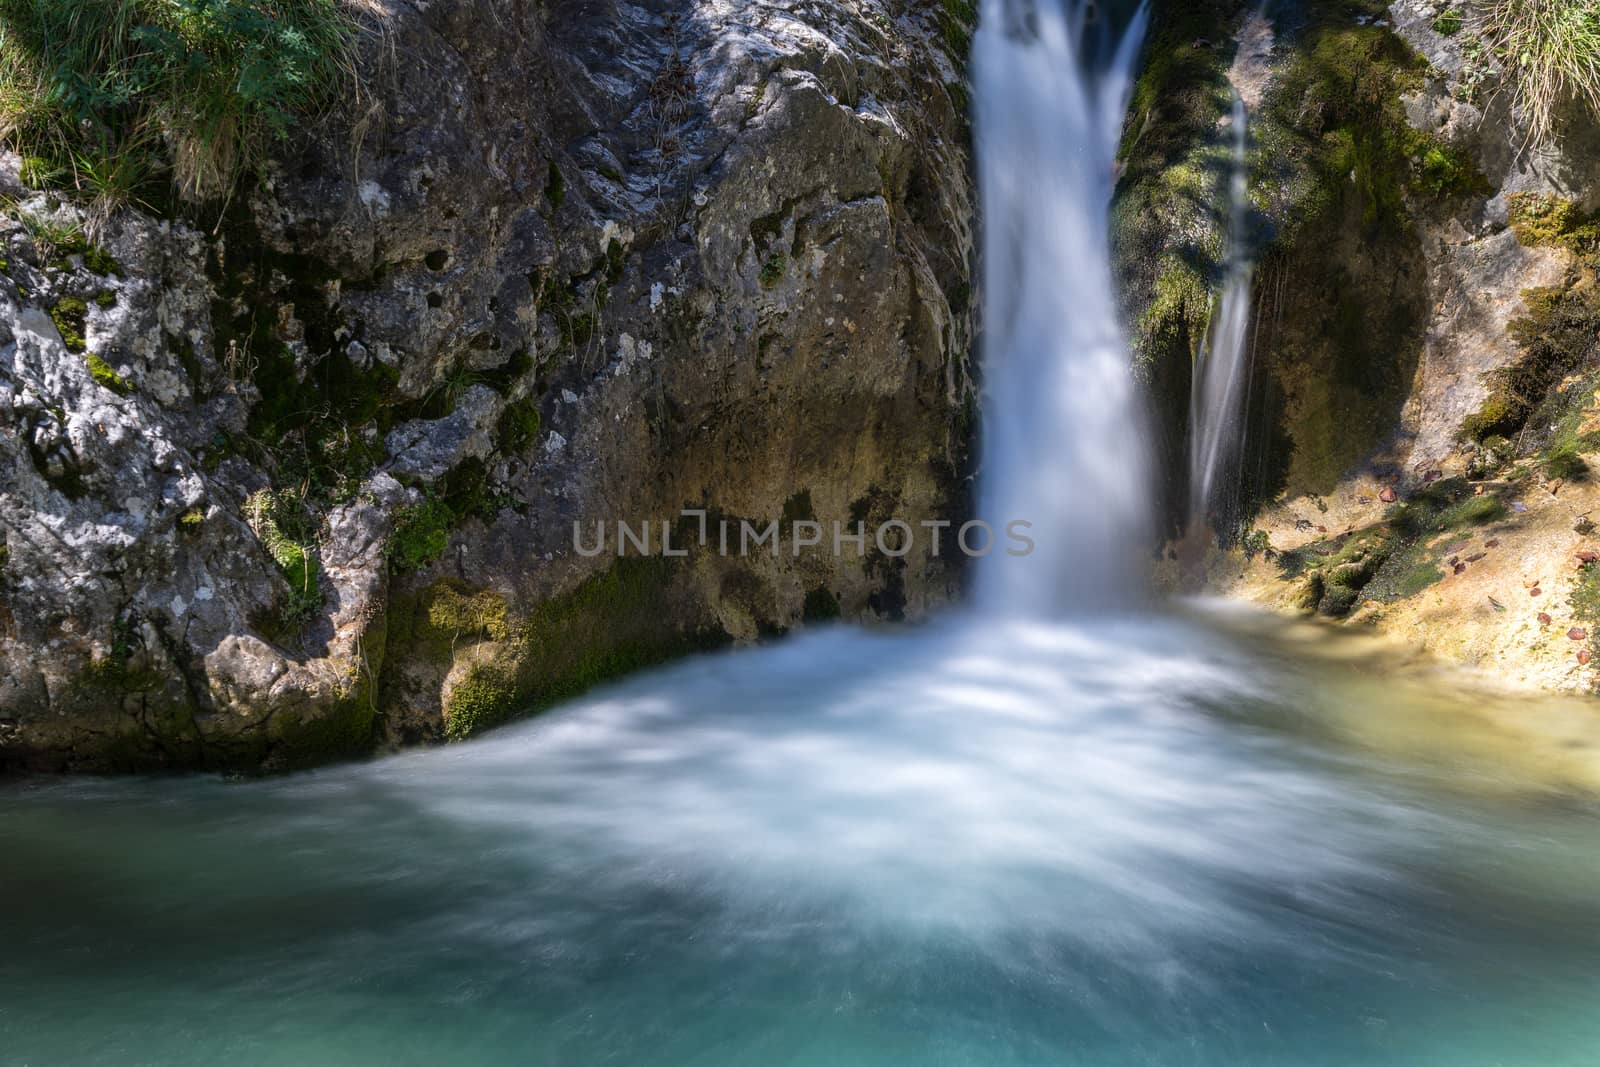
1063, 446
1222, 371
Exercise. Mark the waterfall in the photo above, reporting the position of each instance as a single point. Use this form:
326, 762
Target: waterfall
1221, 378
1064, 448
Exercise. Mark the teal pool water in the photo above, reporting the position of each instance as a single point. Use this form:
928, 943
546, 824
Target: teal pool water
1155, 841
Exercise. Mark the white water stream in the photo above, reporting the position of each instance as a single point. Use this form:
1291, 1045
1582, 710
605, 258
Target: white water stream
1065, 447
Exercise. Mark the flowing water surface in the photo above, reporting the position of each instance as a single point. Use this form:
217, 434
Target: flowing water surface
1154, 840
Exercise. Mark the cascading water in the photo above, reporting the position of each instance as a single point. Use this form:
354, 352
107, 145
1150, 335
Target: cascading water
1064, 444
1222, 371
1106, 840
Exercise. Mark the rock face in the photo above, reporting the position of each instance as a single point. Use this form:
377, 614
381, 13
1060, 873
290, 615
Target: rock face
303, 480
1426, 335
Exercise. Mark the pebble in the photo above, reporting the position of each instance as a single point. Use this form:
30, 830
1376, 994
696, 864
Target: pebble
1544, 619
1578, 633
1388, 496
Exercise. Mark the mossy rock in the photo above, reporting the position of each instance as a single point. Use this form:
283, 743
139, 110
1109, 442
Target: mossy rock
71, 316
611, 625
106, 375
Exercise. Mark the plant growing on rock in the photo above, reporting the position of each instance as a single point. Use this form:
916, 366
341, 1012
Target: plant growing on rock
1550, 52
279, 520
104, 94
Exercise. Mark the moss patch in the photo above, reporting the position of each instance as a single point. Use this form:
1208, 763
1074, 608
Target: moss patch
105, 375
1395, 559
281, 523
421, 534
612, 624
519, 426
346, 729
957, 21
821, 606
773, 269
1552, 222
1560, 334
71, 318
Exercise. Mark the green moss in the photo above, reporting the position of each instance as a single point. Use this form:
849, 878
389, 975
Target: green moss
485, 698
309, 739
120, 670
105, 299
1565, 463
1498, 416
71, 318
98, 261
283, 526
105, 375
555, 187
611, 625
957, 20
1551, 222
519, 426
773, 269
323, 426
1392, 560
1447, 172
421, 534
1449, 23
1584, 601
191, 520
455, 613
1554, 339
821, 606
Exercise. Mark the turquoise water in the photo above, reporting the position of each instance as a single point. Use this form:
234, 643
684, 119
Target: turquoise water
1156, 841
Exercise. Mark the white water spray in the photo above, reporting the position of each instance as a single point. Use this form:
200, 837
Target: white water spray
1063, 441
1221, 376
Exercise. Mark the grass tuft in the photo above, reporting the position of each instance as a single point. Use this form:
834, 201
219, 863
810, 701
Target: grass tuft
102, 97
1550, 53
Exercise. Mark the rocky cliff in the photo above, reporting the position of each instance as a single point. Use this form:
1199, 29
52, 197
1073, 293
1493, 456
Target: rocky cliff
296, 476
1425, 335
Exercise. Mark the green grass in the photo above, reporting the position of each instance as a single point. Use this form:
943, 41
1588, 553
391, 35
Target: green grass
105, 97
1550, 51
